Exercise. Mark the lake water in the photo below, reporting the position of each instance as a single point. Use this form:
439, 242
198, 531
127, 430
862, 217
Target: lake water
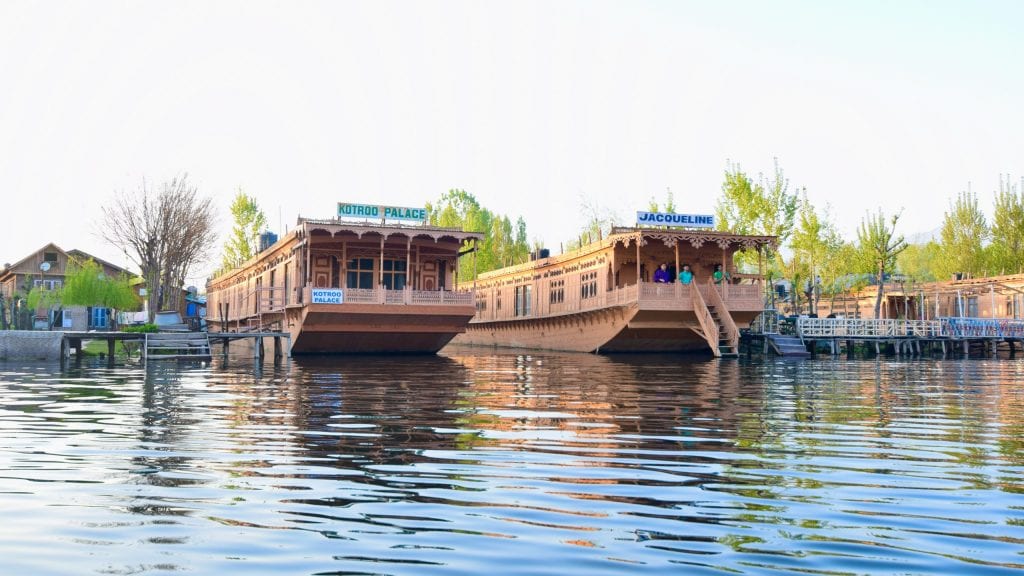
478, 462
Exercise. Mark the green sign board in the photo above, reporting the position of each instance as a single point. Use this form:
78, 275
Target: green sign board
366, 211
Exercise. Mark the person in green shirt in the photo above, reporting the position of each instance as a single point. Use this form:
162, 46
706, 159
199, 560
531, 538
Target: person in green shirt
718, 276
686, 276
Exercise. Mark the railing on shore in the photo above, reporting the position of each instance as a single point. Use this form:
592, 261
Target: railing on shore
958, 327
943, 328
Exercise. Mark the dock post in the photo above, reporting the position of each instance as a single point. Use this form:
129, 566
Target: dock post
258, 347
967, 349
110, 347
277, 349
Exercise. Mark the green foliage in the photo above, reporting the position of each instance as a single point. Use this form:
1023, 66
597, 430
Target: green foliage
503, 243
920, 261
85, 284
766, 208
879, 246
815, 245
41, 298
142, 329
964, 232
249, 221
669, 207
1007, 248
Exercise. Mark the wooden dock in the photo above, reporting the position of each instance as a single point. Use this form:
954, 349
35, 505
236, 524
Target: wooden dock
178, 345
914, 337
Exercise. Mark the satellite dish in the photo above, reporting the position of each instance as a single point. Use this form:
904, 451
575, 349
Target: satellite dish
45, 266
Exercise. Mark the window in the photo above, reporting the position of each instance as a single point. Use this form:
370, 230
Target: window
523, 294
360, 273
588, 285
49, 257
48, 284
394, 274
557, 292
481, 301
98, 318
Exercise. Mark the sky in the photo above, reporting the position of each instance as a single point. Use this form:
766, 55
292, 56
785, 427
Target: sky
547, 110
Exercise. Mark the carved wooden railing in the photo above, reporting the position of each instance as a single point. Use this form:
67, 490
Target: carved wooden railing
402, 297
707, 322
732, 334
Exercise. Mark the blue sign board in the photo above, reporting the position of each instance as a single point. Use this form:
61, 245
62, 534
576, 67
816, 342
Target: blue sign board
684, 220
346, 210
327, 296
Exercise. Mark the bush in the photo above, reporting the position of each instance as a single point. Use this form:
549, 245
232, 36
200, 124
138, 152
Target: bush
142, 329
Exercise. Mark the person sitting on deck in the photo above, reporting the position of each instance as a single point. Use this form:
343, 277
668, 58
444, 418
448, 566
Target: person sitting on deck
661, 275
685, 277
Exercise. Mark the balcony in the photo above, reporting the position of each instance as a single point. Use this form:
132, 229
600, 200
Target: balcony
405, 297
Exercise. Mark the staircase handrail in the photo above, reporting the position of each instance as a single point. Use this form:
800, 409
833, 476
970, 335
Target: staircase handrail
732, 333
707, 322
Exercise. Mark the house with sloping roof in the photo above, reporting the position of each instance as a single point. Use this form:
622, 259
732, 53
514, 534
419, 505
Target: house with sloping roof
46, 269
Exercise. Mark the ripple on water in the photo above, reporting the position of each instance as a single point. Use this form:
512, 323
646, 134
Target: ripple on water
509, 462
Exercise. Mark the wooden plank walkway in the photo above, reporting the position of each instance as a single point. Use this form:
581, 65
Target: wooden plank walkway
177, 345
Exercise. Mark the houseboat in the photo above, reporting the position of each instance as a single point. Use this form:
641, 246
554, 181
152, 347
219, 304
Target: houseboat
341, 286
603, 297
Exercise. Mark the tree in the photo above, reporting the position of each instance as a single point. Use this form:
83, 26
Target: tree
249, 221
767, 208
814, 242
963, 234
879, 246
85, 284
1008, 228
920, 261
737, 209
164, 233
502, 244
668, 207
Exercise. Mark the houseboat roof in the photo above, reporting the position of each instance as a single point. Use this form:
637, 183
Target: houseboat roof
437, 233
332, 226
628, 235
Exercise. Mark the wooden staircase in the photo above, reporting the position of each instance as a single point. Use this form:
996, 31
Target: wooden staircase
716, 323
787, 346
726, 347
177, 346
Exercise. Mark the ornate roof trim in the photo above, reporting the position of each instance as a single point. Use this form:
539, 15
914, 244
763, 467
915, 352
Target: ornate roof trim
696, 238
387, 230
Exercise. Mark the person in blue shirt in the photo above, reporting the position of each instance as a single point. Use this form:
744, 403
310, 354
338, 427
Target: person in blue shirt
661, 275
686, 276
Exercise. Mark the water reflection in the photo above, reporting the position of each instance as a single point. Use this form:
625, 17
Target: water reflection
516, 462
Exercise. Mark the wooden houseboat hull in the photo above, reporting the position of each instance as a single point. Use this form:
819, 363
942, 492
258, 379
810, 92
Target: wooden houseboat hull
375, 329
620, 329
